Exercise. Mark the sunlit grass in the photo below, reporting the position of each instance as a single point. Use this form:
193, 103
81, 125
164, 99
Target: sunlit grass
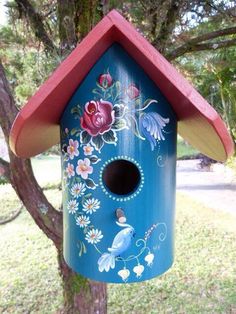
202, 279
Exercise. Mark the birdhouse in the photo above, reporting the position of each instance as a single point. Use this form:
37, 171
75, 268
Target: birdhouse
114, 105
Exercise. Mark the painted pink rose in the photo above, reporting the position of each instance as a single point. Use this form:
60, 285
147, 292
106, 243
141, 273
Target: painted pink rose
98, 117
105, 80
83, 168
132, 91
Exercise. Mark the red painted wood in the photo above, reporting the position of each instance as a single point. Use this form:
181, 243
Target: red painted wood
37, 126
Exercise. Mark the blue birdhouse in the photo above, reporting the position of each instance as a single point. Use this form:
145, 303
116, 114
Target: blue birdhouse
116, 102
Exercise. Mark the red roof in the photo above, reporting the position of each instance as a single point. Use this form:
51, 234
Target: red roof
36, 127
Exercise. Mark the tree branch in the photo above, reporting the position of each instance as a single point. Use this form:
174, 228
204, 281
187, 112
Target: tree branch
21, 173
36, 23
6, 168
197, 43
167, 25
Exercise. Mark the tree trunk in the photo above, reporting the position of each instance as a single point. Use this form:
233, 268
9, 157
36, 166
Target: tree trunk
81, 295
67, 17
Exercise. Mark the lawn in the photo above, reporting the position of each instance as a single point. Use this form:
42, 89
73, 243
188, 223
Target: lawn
184, 150
202, 279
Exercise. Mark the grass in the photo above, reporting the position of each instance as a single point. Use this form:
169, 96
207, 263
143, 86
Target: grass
185, 150
202, 279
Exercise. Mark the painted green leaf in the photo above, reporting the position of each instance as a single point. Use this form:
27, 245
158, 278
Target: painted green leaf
75, 131
85, 137
109, 137
98, 142
87, 195
96, 91
77, 111
119, 124
82, 248
90, 184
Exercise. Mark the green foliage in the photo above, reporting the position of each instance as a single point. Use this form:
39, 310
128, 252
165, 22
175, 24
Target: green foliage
184, 150
214, 76
26, 70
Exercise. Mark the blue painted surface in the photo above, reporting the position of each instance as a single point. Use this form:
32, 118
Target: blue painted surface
90, 226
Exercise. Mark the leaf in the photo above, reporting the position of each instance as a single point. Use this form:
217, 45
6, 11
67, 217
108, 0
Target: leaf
75, 131
98, 142
94, 159
78, 179
82, 248
77, 111
134, 126
119, 110
96, 91
118, 87
109, 137
90, 184
85, 137
88, 195
137, 102
119, 124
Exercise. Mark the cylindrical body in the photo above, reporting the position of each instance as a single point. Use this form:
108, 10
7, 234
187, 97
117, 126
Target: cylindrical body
118, 140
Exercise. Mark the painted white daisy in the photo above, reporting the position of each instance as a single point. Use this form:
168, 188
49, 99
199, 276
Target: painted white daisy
94, 236
72, 206
91, 205
78, 189
82, 221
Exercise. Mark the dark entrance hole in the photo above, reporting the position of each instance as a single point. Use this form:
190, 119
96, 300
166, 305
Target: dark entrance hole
121, 177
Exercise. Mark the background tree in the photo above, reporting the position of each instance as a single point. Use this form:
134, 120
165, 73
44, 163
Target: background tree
40, 34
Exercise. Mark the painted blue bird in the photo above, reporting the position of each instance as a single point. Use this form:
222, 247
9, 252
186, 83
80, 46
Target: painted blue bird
120, 244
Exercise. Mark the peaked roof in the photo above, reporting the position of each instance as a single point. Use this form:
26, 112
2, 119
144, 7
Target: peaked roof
36, 127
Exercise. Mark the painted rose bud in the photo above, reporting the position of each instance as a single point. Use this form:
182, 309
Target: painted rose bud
132, 91
124, 274
149, 259
98, 117
105, 80
138, 270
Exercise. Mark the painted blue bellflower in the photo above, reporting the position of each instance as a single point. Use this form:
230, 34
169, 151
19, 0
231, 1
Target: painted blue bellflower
151, 126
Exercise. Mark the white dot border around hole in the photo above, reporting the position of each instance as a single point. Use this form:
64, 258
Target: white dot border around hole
120, 198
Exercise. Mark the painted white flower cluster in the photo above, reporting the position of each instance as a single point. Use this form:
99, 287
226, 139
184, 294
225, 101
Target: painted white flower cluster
138, 269
81, 204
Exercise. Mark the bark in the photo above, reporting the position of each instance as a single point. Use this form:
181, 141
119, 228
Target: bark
81, 295
21, 175
200, 43
168, 25
89, 13
36, 23
5, 169
67, 18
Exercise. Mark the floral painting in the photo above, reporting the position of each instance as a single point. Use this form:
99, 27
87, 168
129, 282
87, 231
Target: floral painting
112, 108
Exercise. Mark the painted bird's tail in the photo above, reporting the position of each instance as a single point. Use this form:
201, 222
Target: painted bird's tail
106, 261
